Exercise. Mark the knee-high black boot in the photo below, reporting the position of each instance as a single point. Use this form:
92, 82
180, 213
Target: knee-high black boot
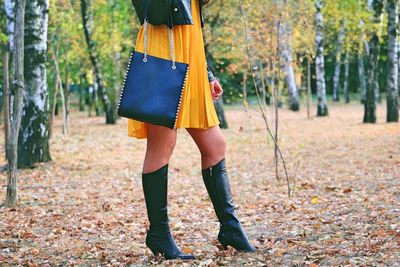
216, 181
159, 239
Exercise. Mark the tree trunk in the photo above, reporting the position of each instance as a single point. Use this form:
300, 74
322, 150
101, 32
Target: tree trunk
263, 85
338, 63
8, 68
66, 94
309, 93
91, 99
18, 88
286, 52
376, 84
373, 61
319, 61
245, 86
96, 97
9, 7
109, 107
361, 75
61, 89
82, 90
6, 98
33, 144
346, 78
219, 106
116, 90
392, 94
53, 109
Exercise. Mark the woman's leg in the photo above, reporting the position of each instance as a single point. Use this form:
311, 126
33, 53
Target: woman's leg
211, 143
212, 146
160, 145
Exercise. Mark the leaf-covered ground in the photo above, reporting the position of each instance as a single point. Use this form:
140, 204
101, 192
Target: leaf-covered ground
87, 208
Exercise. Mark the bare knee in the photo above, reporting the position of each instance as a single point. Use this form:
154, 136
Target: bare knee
214, 150
211, 144
161, 142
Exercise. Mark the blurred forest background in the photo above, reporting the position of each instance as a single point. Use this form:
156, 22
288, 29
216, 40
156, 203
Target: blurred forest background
64, 59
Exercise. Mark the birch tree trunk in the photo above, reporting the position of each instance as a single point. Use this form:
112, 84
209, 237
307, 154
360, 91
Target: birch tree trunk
6, 98
346, 78
309, 93
319, 61
87, 20
373, 60
8, 66
286, 52
61, 90
376, 84
338, 63
18, 88
33, 143
392, 93
361, 75
9, 7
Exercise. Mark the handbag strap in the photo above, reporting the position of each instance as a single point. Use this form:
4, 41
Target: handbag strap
171, 42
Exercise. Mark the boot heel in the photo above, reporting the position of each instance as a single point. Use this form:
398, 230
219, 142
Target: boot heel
218, 188
224, 245
155, 252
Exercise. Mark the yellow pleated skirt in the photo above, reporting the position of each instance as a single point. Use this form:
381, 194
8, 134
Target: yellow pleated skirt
197, 107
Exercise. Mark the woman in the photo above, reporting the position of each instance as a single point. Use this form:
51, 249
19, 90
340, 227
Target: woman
198, 116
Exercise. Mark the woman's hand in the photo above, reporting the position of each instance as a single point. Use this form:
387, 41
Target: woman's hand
216, 89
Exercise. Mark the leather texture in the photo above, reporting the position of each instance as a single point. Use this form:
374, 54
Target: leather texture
152, 90
169, 12
159, 238
181, 11
160, 11
217, 183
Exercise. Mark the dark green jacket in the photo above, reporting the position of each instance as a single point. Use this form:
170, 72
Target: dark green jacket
169, 12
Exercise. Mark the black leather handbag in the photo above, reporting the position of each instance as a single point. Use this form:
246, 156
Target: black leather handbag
153, 86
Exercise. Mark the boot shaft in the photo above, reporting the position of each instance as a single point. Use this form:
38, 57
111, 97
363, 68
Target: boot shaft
155, 189
217, 184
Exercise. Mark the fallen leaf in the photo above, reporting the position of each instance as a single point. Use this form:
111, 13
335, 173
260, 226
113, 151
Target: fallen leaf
314, 200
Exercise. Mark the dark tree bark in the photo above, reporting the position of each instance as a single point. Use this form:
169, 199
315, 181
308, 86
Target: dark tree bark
109, 107
67, 92
17, 91
219, 106
6, 98
53, 109
8, 69
372, 70
392, 93
338, 63
33, 144
346, 78
82, 90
